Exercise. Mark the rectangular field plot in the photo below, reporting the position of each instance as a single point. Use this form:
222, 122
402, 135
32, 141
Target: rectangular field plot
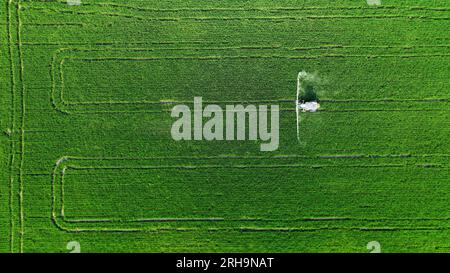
372, 129
282, 192
121, 80
300, 24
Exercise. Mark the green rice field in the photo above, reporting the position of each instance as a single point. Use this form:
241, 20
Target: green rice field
87, 156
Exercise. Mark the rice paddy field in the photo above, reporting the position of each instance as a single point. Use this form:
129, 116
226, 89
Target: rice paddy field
87, 154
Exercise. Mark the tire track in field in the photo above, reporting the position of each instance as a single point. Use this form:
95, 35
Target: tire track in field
13, 127
22, 128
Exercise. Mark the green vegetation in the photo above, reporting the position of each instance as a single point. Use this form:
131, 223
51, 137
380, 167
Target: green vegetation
310, 94
86, 153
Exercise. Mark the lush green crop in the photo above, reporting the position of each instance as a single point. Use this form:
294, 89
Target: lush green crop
87, 154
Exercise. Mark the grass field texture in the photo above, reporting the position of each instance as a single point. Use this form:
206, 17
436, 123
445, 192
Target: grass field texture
87, 155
